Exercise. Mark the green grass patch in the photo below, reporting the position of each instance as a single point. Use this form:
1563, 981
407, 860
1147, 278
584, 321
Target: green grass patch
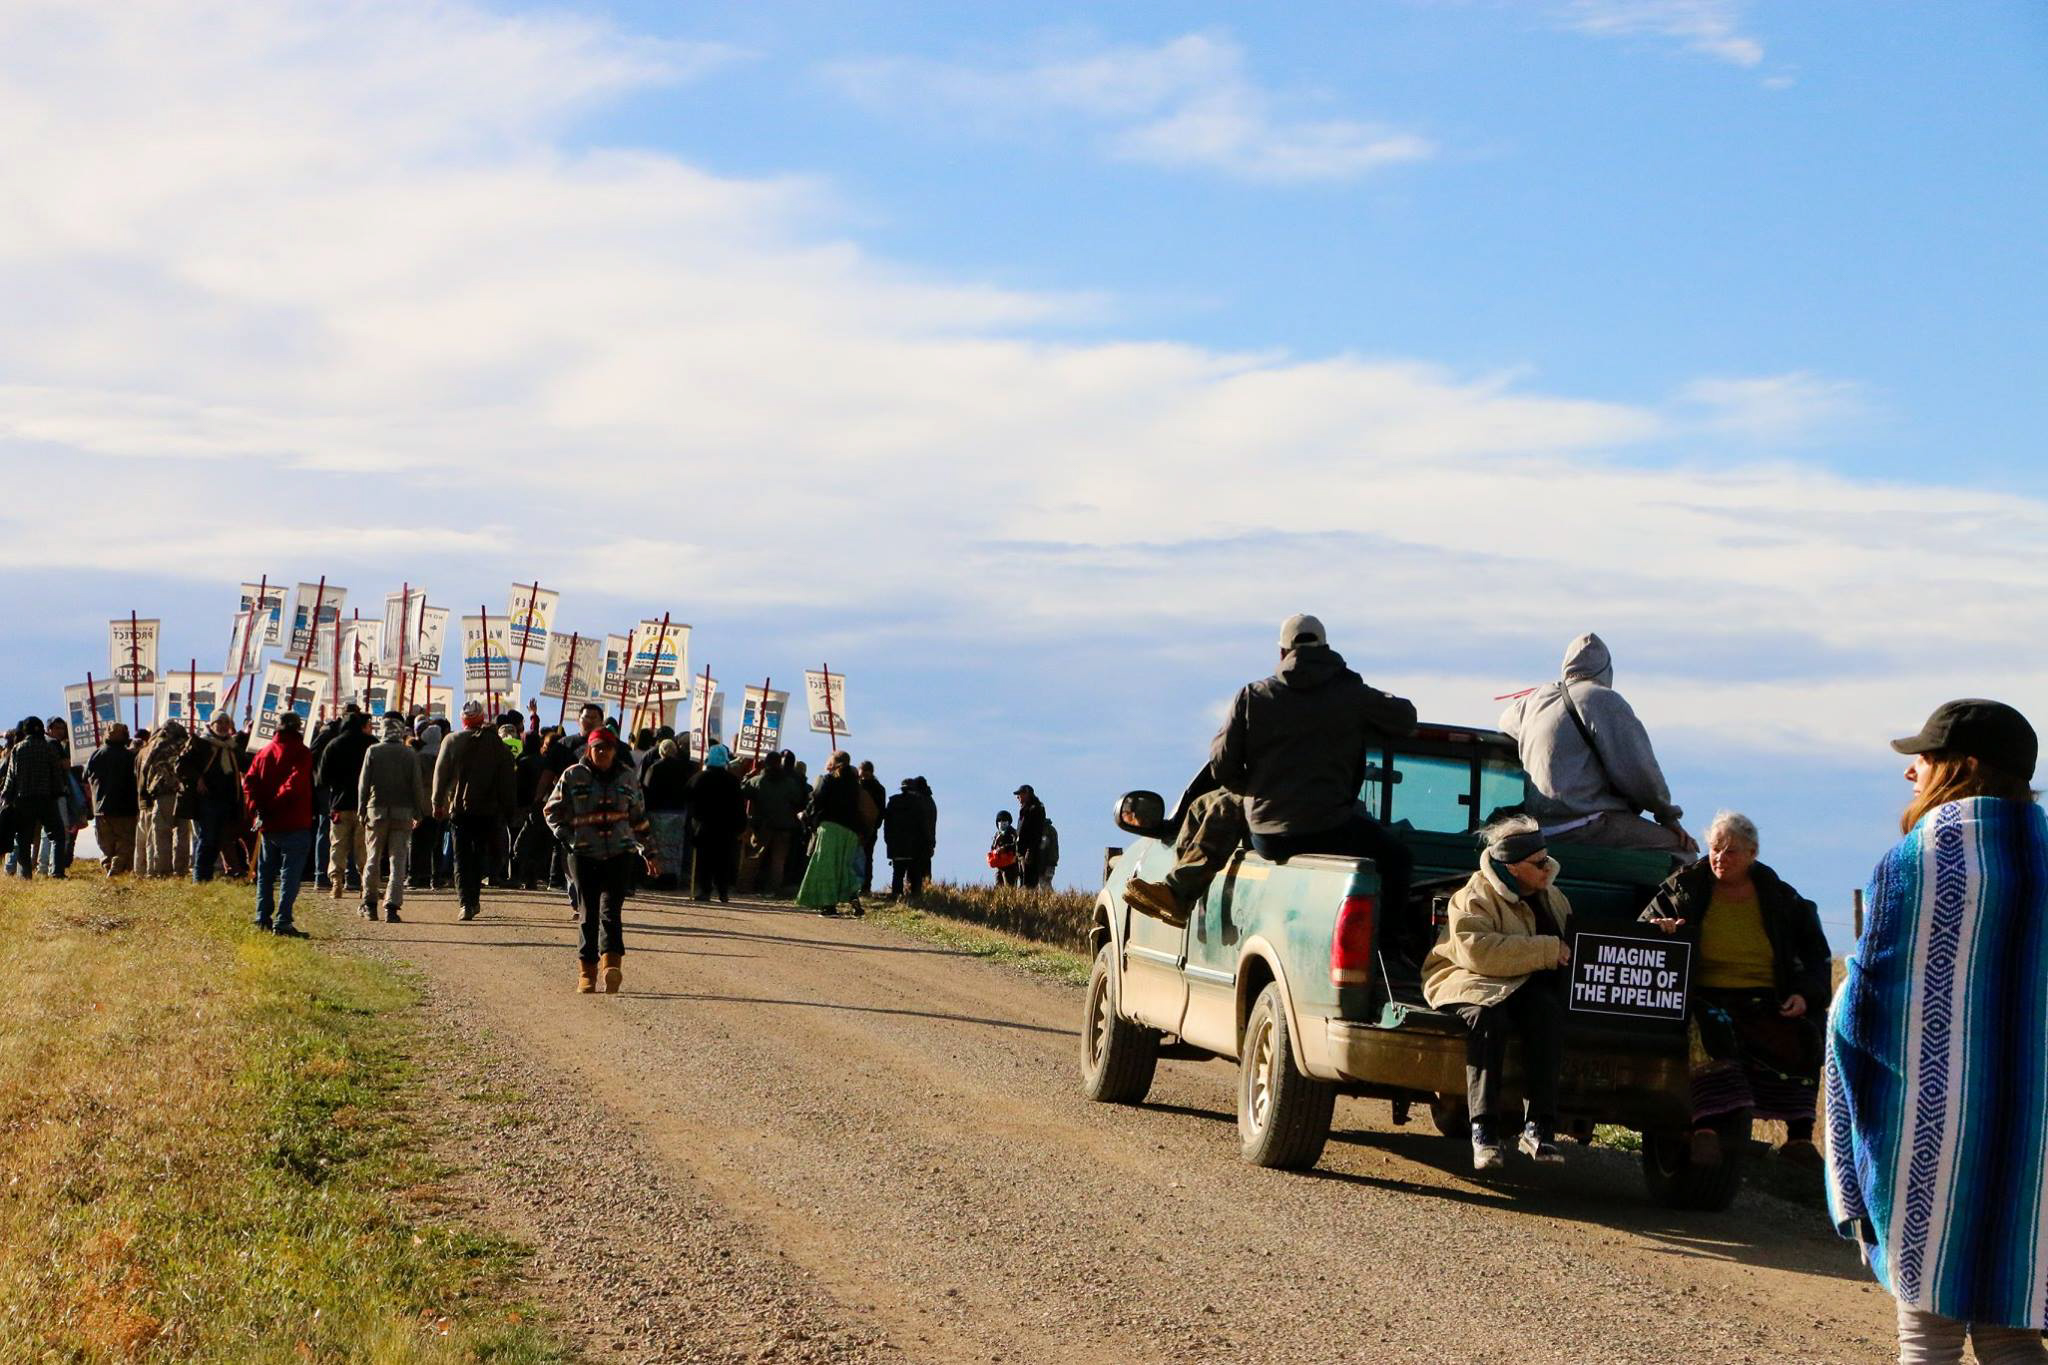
991, 945
217, 1145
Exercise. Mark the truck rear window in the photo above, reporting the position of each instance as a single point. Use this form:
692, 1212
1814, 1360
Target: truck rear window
1442, 793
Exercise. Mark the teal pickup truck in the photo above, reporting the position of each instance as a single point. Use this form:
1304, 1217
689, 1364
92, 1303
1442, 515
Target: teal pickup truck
1280, 970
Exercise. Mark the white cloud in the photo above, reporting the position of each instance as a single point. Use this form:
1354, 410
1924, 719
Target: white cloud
1780, 408
1712, 28
1188, 103
419, 336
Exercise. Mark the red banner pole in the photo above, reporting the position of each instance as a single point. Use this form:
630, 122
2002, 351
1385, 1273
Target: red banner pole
92, 705
704, 730
831, 716
242, 661
761, 721
191, 688
568, 679
291, 699
404, 620
490, 687
134, 668
625, 667
526, 635
660, 648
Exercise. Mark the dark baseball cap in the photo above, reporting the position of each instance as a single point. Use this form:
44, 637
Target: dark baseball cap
1024, 790
1987, 730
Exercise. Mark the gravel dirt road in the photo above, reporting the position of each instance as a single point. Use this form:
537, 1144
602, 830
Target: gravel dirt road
803, 1139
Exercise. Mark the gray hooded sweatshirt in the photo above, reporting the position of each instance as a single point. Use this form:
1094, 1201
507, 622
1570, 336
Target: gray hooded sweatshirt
1568, 781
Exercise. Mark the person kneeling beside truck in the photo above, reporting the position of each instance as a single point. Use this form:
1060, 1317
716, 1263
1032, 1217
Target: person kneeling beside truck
1499, 969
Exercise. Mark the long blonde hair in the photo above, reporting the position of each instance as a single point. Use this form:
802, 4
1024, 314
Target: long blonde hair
1958, 777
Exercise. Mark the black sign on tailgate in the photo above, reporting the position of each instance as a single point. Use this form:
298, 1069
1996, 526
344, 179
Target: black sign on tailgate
1645, 978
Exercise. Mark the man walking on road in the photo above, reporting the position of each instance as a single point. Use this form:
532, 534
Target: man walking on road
279, 790
392, 797
474, 789
1030, 834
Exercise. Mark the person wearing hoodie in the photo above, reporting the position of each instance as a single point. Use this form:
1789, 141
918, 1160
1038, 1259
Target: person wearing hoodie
474, 789
1589, 760
166, 810
337, 773
717, 814
279, 790
116, 805
1294, 748
909, 839
597, 812
427, 869
391, 794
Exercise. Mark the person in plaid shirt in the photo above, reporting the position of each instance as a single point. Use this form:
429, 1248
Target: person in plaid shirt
598, 814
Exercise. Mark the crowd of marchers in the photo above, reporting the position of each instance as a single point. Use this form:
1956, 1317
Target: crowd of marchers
372, 805
1932, 1054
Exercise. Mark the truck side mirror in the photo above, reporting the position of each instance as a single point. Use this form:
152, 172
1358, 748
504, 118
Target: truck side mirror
1141, 813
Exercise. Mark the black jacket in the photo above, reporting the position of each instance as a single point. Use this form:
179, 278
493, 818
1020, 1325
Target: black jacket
339, 769
907, 826
1030, 827
836, 797
1800, 958
111, 771
1295, 744
665, 783
716, 808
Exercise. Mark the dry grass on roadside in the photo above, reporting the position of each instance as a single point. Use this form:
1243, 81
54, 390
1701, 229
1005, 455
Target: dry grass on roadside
206, 1143
1058, 918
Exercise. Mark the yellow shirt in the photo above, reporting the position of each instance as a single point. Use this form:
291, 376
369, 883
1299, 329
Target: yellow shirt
1735, 953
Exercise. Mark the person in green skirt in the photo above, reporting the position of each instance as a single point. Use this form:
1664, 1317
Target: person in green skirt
832, 877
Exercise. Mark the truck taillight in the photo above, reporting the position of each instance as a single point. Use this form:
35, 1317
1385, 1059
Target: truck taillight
1351, 943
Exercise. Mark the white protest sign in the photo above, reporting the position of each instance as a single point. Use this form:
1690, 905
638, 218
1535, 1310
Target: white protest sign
318, 605
90, 713
401, 626
189, 698
761, 720
506, 694
131, 648
528, 622
374, 695
707, 713
575, 670
826, 693
245, 646
485, 666
439, 701
1645, 978
277, 683
431, 642
269, 615
661, 653
621, 688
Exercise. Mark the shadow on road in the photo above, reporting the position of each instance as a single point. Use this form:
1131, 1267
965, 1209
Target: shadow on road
854, 1009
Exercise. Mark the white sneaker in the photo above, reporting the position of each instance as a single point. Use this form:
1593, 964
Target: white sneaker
1487, 1155
1538, 1147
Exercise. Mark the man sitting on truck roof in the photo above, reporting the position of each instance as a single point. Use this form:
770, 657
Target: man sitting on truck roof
1590, 762
1294, 748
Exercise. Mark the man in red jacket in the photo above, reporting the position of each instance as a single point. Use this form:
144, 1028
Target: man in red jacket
279, 788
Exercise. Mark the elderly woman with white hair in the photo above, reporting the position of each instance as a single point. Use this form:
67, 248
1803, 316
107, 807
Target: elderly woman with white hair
1761, 977
1498, 970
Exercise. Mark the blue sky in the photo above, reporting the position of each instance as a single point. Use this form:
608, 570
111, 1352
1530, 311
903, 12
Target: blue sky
1029, 363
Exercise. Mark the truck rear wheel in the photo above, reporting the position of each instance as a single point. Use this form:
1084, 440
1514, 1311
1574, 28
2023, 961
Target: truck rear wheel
1450, 1116
1675, 1182
1118, 1057
1283, 1116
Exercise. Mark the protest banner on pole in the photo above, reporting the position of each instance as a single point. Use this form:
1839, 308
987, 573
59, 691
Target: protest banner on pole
531, 616
90, 707
659, 663
574, 672
501, 696
362, 645
707, 714
319, 605
285, 684
826, 693
438, 699
310, 612
132, 647
261, 622
189, 698
485, 660
761, 711
263, 601
432, 640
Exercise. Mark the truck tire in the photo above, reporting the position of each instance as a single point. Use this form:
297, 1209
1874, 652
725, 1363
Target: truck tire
1283, 1117
1450, 1116
1675, 1183
1118, 1056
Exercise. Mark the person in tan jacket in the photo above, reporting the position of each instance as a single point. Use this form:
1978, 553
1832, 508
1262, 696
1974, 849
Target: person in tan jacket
1499, 969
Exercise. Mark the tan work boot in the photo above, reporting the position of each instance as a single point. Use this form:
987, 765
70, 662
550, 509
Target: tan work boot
586, 977
614, 972
1152, 898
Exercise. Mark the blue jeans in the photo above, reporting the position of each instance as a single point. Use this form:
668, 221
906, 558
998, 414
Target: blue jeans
216, 813
284, 858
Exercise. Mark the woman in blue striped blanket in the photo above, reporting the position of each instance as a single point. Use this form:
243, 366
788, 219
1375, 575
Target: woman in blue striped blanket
1937, 1059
